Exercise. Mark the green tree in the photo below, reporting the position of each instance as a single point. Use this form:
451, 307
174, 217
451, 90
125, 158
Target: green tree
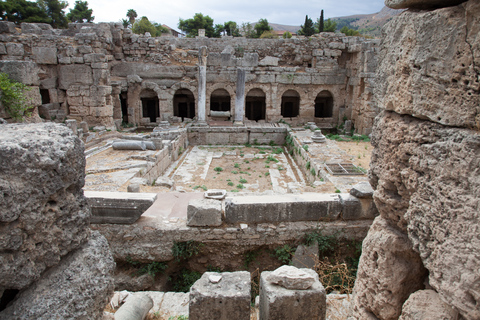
321, 23
144, 25
349, 32
231, 29
131, 15
80, 13
307, 28
12, 97
199, 21
262, 26
125, 23
329, 25
160, 29
247, 30
22, 11
55, 12
286, 35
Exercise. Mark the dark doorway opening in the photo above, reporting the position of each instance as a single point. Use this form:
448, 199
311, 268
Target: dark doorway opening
290, 104
123, 103
184, 104
220, 100
45, 96
150, 108
255, 106
324, 105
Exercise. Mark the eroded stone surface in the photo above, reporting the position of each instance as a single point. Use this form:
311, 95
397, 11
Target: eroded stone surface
77, 288
44, 213
429, 65
425, 305
291, 278
389, 271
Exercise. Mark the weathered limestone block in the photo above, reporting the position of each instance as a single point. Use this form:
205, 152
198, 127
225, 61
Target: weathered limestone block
15, 49
7, 27
354, 208
77, 288
118, 207
25, 72
280, 303
269, 61
44, 213
426, 305
362, 190
433, 75
74, 75
221, 296
304, 207
204, 212
389, 271
45, 55
421, 4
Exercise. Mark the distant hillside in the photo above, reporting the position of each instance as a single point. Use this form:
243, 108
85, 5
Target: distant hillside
366, 24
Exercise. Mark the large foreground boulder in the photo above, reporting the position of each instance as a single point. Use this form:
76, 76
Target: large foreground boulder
77, 288
52, 266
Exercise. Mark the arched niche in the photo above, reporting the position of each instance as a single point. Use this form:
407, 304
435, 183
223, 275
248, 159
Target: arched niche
290, 106
324, 105
184, 104
255, 105
150, 108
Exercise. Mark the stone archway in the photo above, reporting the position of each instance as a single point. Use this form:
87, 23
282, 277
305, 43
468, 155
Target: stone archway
255, 105
150, 108
290, 106
324, 105
220, 100
184, 104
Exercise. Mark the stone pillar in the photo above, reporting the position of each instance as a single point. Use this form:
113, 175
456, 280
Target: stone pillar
240, 97
291, 293
202, 84
221, 296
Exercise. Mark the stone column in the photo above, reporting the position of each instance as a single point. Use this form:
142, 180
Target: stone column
240, 97
202, 84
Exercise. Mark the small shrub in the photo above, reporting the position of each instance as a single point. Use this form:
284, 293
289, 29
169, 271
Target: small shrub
218, 169
308, 165
326, 244
267, 174
249, 257
243, 181
284, 254
271, 143
185, 250
204, 187
305, 147
271, 158
230, 184
234, 172
313, 172
277, 151
236, 165
337, 191
183, 281
13, 97
240, 186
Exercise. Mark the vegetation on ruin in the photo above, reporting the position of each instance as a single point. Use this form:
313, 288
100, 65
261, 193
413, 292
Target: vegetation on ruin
284, 253
286, 35
199, 21
13, 98
151, 268
182, 281
144, 25
185, 250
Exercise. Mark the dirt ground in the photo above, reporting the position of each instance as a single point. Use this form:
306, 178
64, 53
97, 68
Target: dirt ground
235, 169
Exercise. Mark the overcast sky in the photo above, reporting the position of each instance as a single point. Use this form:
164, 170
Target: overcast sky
280, 11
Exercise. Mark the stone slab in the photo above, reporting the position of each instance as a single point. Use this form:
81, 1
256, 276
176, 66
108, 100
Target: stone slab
118, 207
287, 207
204, 213
222, 299
279, 303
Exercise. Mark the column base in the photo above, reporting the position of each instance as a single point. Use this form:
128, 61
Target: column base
238, 123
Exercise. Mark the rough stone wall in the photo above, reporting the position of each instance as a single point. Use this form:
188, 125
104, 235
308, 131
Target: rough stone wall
425, 169
45, 240
84, 69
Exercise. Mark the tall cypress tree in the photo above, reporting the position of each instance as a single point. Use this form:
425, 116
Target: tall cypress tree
307, 29
320, 24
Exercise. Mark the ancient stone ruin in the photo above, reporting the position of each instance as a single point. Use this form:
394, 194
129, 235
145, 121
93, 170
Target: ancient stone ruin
197, 101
